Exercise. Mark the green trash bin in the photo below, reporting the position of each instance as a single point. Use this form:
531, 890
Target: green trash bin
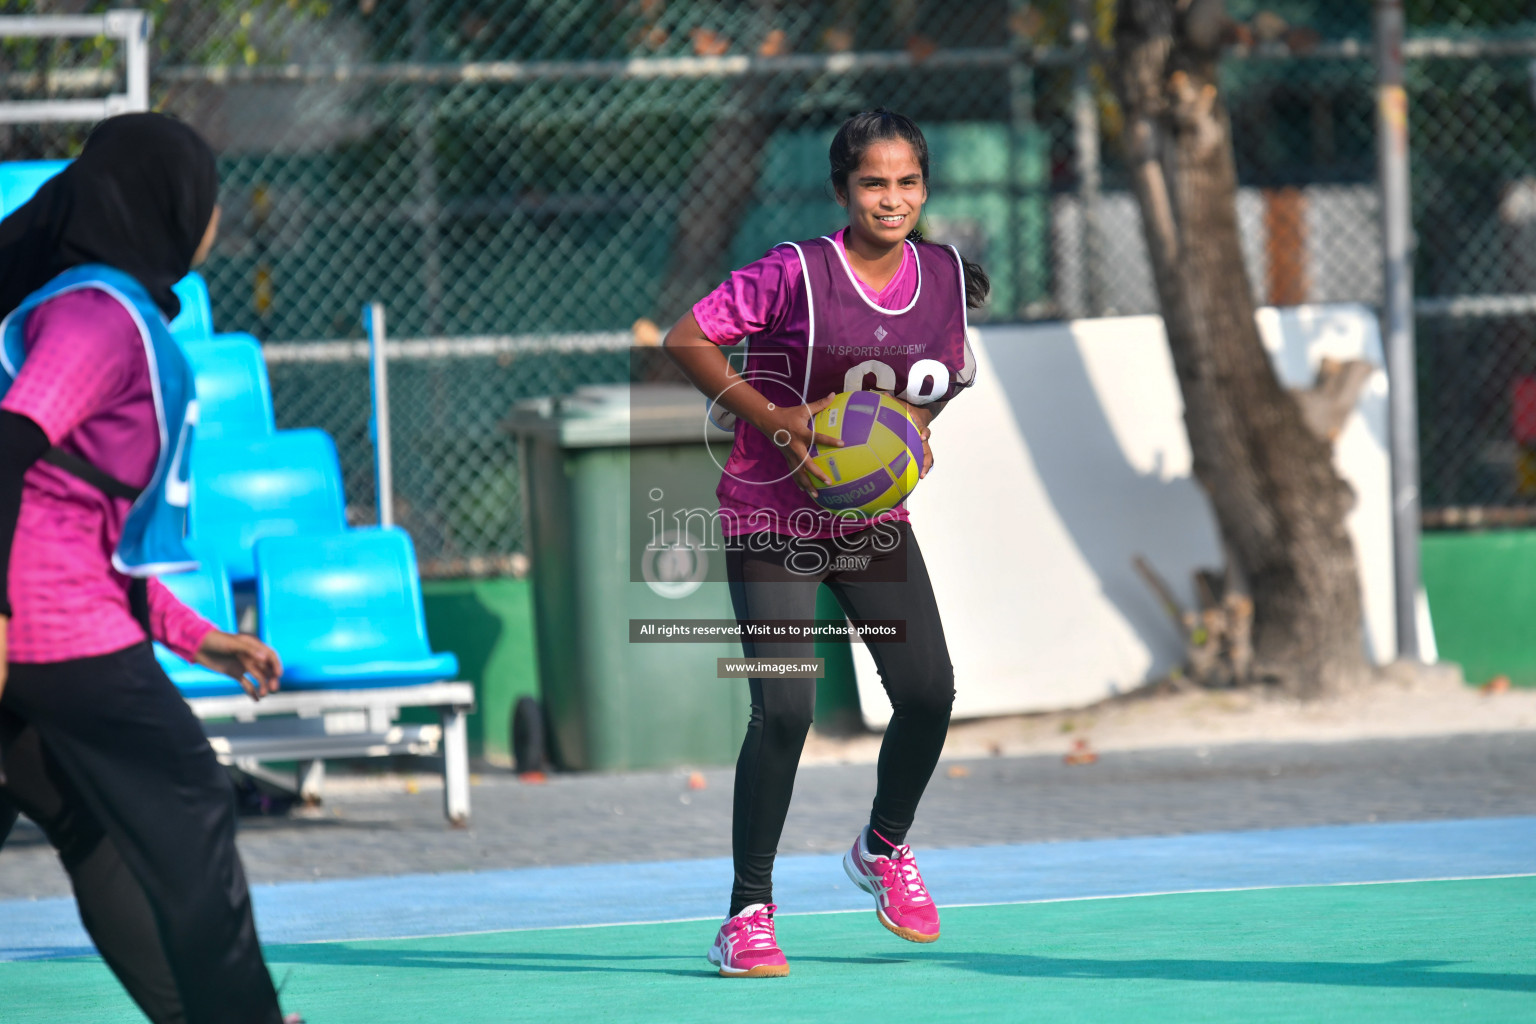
602, 469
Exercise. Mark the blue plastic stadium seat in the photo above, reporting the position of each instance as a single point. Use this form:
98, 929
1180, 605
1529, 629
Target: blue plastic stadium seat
244, 489
20, 180
345, 611
234, 397
206, 591
195, 321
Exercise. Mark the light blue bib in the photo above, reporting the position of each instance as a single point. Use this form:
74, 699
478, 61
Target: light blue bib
153, 540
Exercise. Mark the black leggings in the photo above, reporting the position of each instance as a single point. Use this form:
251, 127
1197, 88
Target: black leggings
111, 763
869, 583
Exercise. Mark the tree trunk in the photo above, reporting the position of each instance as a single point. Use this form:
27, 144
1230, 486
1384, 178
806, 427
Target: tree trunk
1278, 502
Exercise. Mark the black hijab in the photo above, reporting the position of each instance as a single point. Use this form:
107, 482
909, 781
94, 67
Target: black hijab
138, 199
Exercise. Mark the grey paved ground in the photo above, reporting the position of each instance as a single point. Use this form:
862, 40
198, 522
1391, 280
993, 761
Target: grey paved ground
654, 816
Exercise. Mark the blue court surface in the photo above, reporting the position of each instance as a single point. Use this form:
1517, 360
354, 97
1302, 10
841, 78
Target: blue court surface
532, 898
1422, 922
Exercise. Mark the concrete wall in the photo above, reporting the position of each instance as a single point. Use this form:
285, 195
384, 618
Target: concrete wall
1069, 457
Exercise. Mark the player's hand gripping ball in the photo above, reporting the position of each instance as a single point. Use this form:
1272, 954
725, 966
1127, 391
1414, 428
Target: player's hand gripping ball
882, 452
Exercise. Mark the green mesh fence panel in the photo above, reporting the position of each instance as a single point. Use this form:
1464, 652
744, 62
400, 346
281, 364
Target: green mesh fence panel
507, 176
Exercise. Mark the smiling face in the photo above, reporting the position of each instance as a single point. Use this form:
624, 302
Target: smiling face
885, 193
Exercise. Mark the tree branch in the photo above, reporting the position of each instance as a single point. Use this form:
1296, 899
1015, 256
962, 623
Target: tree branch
1328, 403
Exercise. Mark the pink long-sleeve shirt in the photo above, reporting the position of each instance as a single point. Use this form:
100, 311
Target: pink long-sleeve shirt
762, 296
86, 383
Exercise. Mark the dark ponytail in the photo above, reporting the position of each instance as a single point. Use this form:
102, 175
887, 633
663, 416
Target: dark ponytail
849, 145
977, 284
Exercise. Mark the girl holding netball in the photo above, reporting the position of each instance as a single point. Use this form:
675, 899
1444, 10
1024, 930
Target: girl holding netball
96, 744
871, 307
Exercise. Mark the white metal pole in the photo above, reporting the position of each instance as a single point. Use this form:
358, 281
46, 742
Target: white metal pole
60, 25
1397, 317
135, 27
373, 320
132, 27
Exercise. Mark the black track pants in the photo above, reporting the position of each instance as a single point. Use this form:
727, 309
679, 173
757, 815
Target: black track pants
869, 583
107, 758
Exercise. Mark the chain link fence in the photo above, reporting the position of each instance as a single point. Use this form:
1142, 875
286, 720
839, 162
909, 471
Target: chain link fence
529, 186
1472, 92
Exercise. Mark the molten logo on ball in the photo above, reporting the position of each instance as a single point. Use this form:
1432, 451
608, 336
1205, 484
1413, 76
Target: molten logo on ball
882, 453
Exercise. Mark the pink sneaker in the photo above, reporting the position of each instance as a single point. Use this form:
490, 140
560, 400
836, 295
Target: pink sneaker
901, 899
745, 946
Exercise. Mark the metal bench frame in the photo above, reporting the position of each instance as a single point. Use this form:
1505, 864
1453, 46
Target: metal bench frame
312, 726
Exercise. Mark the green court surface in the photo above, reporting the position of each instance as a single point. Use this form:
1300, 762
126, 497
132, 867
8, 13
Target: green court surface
1415, 951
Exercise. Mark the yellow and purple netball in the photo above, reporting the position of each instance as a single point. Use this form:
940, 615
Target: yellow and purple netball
881, 456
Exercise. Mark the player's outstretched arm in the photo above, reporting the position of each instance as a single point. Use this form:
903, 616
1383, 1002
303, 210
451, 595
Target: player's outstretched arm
711, 372
243, 658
